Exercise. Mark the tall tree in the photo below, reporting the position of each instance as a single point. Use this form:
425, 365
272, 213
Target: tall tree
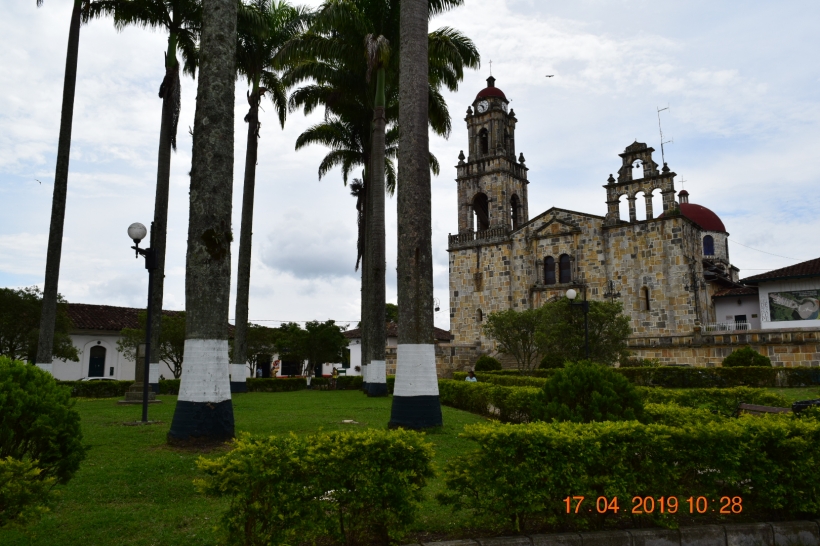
415, 397
45, 344
181, 19
344, 41
255, 51
378, 57
19, 321
204, 412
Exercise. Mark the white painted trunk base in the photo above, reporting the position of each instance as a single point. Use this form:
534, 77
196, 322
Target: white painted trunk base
365, 373
377, 371
47, 368
205, 371
416, 370
153, 372
238, 374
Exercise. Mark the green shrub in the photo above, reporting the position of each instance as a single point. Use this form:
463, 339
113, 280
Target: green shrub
508, 404
97, 389
38, 421
169, 386
519, 475
24, 494
504, 380
276, 384
359, 487
551, 361
585, 392
486, 363
724, 401
349, 382
674, 415
746, 357
628, 361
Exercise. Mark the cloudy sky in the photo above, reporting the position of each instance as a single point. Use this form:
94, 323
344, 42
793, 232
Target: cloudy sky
739, 79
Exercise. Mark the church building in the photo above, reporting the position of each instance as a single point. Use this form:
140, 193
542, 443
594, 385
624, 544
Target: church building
665, 269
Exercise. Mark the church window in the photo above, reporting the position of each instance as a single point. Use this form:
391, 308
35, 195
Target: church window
481, 208
708, 246
479, 316
645, 299
565, 269
549, 270
484, 141
515, 210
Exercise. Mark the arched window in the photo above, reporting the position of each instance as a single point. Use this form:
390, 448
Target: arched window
96, 361
708, 246
637, 171
515, 210
481, 207
479, 316
565, 269
644, 299
484, 141
549, 270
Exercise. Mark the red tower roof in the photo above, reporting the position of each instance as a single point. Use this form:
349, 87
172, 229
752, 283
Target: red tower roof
702, 216
491, 90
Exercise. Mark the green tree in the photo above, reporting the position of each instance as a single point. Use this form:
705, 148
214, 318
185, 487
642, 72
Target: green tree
24, 495
255, 51
746, 356
51, 299
171, 343
324, 343
19, 321
391, 312
585, 391
560, 336
515, 332
290, 341
260, 341
181, 19
486, 363
204, 412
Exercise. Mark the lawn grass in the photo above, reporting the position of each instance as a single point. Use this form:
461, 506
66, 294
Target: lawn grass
133, 489
793, 394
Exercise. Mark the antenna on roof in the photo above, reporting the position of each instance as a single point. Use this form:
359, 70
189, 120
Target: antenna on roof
663, 156
491, 67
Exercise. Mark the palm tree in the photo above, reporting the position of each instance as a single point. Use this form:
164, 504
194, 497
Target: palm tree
254, 57
181, 19
204, 412
415, 397
337, 54
45, 343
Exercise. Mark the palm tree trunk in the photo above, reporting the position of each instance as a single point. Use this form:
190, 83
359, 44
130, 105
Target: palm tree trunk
170, 93
415, 398
377, 335
204, 413
243, 275
45, 344
365, 315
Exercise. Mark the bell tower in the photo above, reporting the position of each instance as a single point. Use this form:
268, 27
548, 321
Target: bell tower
492, 183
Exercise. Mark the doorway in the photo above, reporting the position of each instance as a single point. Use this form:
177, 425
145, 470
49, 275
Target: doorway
96, 362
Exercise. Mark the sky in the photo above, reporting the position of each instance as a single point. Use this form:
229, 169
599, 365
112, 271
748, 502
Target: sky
743, 121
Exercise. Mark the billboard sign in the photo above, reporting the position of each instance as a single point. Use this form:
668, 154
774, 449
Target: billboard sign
796, 305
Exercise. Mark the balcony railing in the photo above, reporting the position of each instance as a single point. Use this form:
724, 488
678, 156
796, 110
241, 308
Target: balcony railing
469, 237
726, 326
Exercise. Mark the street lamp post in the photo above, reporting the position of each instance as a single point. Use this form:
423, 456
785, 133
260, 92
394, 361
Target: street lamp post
137, 233
572, 294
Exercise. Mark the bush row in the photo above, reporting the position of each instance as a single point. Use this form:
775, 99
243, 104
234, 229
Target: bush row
97, 389
356, 487
519, 476
523, 404
678, 377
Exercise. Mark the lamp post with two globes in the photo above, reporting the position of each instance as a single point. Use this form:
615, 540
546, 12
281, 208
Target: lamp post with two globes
137, 233
571, 295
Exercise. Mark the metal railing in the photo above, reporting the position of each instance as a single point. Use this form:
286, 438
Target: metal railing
470, 236
726, 326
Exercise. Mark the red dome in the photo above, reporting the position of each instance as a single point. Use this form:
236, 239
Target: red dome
491, 91
702, 216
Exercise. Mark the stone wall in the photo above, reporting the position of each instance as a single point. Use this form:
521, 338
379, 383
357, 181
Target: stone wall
785, 347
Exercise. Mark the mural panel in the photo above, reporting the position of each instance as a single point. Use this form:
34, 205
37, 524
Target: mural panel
796, 305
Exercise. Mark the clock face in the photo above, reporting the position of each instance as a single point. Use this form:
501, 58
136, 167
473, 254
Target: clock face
482, 106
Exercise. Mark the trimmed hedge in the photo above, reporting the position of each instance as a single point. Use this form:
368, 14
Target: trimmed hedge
486, 363
681, 378
523, 404
361, 487
519, 475
276, 384
169, 386
97, 389
506, 380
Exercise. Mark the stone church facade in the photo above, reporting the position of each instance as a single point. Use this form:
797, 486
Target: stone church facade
665, 269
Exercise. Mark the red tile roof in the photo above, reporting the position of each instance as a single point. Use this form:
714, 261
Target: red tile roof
810, 268
393, 331
105, 317
742, 291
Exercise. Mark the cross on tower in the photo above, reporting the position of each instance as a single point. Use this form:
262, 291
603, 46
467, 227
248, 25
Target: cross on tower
491, 67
